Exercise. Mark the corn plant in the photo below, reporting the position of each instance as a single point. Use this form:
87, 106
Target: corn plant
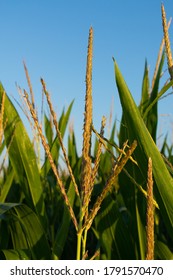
112, 203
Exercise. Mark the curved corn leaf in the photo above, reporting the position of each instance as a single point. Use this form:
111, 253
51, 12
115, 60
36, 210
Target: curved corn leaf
26, 230
22, 157
15, 254
162, 252
112, 229
136, 129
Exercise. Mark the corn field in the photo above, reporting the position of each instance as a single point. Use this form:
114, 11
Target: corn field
115, 201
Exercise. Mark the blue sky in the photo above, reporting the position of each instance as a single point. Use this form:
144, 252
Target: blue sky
51, 37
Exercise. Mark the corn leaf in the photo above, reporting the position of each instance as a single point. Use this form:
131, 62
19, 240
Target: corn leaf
162, 252
151, 119
159, 95
15, 254
72, 149
114, 236
26, 230
7, 185
48, 129
63, 121
22, 157
145, 90
63, 230
141, 235
136, 129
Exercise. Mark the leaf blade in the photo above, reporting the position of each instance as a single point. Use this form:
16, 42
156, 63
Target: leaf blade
137, 130
23, 157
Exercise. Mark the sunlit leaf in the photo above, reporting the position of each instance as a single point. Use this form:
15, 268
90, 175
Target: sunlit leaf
136, 129
23, 157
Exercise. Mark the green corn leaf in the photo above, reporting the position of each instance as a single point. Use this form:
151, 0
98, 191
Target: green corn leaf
48, 130
2, 146
7, 185
112, 136
26, 230
15, 254
159, 95
151, 120
64, 118
63, 230
145, 91
141, 235
72, 149
63, 121
22, 157
112, 229
148, 98
136, 129
162, 252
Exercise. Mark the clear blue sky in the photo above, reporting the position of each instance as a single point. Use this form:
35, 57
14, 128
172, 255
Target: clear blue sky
51, 37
